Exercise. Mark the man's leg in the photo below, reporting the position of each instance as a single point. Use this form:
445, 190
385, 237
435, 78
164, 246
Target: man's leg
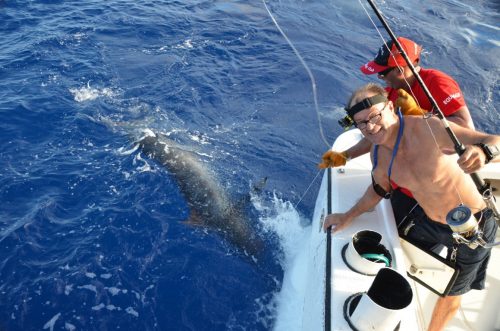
444, 310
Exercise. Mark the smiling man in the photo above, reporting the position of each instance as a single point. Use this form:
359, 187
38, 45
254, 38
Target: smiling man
404, 152
401, 84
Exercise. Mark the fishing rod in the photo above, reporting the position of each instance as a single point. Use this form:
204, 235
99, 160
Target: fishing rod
483, 187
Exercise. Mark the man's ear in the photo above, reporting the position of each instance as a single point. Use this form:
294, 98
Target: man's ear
390, 104
416, 64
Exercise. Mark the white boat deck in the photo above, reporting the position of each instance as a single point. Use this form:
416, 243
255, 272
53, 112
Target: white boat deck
479, 308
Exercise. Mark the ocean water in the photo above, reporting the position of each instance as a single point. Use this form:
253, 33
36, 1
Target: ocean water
92, 232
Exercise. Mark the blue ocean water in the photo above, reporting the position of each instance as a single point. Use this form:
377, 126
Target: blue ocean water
91, 231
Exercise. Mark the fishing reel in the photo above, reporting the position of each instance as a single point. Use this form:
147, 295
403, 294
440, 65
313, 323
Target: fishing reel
465, 227
346, 123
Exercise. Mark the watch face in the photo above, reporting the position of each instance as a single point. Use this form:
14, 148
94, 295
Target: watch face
491, 151
495, 150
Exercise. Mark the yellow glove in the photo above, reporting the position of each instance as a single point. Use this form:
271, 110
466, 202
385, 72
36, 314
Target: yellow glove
408, 105
333, 159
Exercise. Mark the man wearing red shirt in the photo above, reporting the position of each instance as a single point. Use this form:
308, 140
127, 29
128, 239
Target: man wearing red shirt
391, 67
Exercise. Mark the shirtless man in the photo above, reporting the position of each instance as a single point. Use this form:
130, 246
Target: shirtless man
390, 66
437, 181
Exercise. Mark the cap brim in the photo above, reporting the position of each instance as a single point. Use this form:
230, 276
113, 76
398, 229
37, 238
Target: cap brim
372, 68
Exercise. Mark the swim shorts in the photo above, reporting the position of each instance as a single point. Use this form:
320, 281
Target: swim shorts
427, 234
402, 204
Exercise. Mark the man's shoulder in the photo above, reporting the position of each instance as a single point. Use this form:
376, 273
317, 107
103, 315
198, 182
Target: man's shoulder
418, 127
434, 74
444, 89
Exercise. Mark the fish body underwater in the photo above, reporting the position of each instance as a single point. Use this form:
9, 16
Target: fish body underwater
208, 201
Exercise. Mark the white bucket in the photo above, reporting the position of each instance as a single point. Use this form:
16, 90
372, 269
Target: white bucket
381, 308
365, 254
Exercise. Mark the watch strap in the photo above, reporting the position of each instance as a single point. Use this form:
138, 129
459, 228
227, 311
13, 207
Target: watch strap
490, 151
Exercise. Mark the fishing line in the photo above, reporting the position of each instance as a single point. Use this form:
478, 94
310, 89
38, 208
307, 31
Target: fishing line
309, 72
312, 182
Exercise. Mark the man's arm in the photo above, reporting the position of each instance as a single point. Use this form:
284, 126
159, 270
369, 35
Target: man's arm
462, 117
361, 148
342, 220
473, 158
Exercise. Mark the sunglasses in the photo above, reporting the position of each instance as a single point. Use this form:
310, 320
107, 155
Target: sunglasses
385, 72
373, 119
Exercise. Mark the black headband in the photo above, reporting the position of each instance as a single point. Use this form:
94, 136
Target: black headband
365, 103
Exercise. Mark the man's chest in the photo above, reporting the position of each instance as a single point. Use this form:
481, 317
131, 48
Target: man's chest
412, 169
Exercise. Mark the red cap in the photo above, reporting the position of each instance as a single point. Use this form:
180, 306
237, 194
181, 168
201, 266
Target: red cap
385, 59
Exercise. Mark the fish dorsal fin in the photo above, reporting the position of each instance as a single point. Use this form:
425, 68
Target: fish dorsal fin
259, 186
256, 189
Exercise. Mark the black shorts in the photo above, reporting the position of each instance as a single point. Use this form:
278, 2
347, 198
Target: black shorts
401, 205
472, 263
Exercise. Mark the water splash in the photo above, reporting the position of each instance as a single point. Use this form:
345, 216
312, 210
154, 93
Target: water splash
87, 93
280, 218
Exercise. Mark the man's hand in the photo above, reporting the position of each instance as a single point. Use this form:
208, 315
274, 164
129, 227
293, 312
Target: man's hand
472, 159
333, 159
408, 105
337, 221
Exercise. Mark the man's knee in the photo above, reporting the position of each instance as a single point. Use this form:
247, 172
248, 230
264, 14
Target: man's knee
451, 302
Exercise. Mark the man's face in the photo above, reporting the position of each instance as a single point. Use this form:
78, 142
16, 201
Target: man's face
393, 77
371, 121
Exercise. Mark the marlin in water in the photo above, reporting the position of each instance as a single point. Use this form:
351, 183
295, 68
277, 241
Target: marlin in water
208, 203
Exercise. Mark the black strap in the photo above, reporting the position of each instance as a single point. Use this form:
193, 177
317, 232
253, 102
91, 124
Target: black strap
365, 103
380, 190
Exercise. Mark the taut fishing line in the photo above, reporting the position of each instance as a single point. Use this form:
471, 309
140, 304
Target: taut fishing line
303, 195
313, 86
309, 72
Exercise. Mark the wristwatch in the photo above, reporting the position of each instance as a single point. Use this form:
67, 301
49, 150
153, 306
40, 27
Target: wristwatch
490, 151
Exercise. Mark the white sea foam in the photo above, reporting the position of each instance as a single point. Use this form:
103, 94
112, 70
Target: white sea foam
283, 220
145, 167
187, 44
68, 288
98, 307
90, 275
113, 290
88, 93
51, 322
123, 151
108, 307
88, 287
132, 311
113, 307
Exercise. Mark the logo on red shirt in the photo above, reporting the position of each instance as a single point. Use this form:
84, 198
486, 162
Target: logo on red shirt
451, 97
